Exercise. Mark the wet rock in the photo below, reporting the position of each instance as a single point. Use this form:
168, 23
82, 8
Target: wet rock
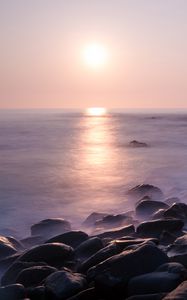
7, 261
147, 207
88, 248
111, 221
177, 211
34, 276
172, 200
113, 275
154, 228
64, 284
143, 190
11, 274
136, 144
50, 227
15, 243
166, 278
167, 238
54, 254
159, 214
180, 293
180, 258
101, 255
12, 292
93, 217
36, 293
117, 233
32, 241
6, 247
71, 238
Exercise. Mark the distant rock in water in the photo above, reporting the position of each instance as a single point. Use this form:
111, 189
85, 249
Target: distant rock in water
142, 190
137, 144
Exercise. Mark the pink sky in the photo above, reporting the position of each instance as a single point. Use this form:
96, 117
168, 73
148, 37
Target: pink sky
41, 53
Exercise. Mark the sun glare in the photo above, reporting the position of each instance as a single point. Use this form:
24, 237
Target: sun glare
96, 111
95, 55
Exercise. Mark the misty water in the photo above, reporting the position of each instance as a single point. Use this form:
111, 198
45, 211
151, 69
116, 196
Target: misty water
54, 164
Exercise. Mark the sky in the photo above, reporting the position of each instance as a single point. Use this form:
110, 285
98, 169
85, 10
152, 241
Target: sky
42, 61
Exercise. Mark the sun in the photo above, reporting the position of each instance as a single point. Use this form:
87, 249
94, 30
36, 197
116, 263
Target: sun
95, 55
96, 111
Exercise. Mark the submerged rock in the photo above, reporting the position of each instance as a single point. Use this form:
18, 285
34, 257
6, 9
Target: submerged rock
93, 217
154, 228
118, 233
32, 241
54, 254
147, 207
143, 190
50, 227
172, 200
64, 284
111, 221
136, 144
113, 275
71, 238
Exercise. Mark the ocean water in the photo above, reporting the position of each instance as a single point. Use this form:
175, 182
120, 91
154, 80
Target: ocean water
55, 164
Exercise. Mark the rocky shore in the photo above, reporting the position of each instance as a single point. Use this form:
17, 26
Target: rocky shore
139, 254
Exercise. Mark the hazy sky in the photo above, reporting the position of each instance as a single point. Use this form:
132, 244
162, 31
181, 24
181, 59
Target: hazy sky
42, 44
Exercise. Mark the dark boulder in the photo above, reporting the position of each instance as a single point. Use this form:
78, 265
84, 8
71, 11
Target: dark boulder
159, 214
154, 228
163, 280
167, 238
147, 207
50, 227
142, 190
34, 276
71, 238
63, 284
12, 292
36, 293
118, 233
177, 211
54, 254
180, 293
88, 248
89, 294
112, 275
6, 262
10, 276
147, 297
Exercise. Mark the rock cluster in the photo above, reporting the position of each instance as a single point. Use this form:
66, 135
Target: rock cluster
140, 254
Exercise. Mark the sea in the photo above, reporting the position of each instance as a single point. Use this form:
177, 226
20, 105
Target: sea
55, 163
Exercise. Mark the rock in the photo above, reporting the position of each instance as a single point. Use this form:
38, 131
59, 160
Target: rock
89, 294
92, 218
176, 249
6, 247
64, 284
177, 211
12, 292
180, 293
163, 280
15, 243
88, 248
111, 221
143, 190
172, 200
71, 238
7, 261
10, 276
54, 254
112, 275
32, 241
159, 214
34, 276
36, 293
118, 233
136, 144
167, 238
50, 227
101, 255
147, 207
180, 258
154, 228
